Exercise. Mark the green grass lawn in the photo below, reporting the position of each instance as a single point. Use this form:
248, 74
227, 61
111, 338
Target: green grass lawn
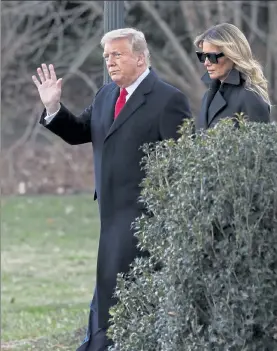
48, 261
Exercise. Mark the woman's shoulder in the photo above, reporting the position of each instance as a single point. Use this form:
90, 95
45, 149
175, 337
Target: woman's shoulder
250, 93
254, 104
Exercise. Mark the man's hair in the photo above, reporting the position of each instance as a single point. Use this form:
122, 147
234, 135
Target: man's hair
135, 37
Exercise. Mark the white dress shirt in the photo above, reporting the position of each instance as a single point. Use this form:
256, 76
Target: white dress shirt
130, 89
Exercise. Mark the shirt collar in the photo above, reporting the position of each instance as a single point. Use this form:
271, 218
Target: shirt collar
131, 88
234, 78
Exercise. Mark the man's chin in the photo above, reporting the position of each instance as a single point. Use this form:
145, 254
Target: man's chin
115, 78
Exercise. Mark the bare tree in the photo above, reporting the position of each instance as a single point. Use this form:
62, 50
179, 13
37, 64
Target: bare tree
67, 34
173, 25
47, 31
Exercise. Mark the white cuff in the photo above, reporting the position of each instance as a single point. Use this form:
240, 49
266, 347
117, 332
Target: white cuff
48, 118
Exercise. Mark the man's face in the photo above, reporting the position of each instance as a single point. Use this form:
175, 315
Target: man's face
123, 65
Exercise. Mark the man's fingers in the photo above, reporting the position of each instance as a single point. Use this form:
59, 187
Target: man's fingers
52, 72
59, 83
41, 75
45, 71
35, 80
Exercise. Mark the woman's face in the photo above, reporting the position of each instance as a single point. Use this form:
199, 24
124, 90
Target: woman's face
219, 70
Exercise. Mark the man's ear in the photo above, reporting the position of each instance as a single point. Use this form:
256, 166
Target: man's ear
141, 60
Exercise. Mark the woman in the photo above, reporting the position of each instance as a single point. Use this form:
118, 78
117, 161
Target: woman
236, 81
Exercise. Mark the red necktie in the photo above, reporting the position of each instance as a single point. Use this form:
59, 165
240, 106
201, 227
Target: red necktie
120, 102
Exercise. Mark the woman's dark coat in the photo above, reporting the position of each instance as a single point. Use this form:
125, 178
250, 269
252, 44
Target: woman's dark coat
227, 99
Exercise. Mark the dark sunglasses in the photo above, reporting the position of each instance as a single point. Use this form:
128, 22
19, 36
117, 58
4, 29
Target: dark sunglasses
211, 56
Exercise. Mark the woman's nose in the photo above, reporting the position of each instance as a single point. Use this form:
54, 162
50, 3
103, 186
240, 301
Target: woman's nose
207, 62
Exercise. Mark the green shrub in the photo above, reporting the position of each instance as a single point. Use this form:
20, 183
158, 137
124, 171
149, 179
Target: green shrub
213, 228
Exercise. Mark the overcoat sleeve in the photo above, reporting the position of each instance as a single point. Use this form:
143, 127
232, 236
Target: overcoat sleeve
73, 130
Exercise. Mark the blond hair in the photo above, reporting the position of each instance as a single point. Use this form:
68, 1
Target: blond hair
233, 43
136, 39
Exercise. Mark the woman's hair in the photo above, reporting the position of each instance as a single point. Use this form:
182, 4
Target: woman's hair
136, 39
233, 43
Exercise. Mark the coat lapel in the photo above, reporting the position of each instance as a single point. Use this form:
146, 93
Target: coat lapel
109, 110
216, 105
133, 103
214, 101
218, 102
203, 121
137, 99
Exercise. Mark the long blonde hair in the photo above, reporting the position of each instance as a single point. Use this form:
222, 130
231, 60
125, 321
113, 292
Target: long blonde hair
233, 43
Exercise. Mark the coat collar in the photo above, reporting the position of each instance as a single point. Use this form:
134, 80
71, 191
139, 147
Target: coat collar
234, 78
214, 100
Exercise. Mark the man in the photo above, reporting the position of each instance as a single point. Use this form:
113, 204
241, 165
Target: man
136, 108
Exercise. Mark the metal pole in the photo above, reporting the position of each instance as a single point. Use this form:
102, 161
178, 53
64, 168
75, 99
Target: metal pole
113, 19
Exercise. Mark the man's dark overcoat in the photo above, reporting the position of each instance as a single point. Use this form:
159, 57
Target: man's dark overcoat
153, 112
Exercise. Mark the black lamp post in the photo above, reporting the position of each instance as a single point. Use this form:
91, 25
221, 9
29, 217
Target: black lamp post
113, 19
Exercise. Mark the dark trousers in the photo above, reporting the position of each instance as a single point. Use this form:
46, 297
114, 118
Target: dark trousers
96, 339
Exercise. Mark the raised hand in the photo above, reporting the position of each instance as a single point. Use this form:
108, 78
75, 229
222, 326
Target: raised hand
49, 87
